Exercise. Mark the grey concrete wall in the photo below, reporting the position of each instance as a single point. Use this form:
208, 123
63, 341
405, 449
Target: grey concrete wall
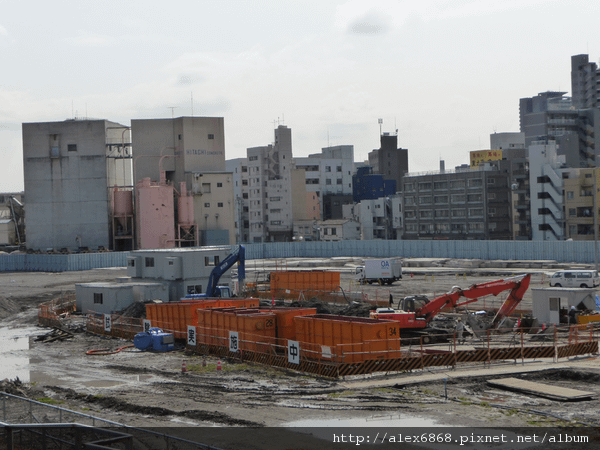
67, 200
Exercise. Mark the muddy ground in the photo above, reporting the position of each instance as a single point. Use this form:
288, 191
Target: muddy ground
149, 389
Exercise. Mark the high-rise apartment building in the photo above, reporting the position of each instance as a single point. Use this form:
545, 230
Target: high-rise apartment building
585, 82
270, 189
552, 117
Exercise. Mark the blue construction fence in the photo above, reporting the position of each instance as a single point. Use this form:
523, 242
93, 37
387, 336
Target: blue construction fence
580, 252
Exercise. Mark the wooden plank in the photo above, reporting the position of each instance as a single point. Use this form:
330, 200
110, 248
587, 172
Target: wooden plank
541, 390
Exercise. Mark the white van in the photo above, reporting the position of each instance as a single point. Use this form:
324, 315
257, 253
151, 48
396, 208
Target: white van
575, 278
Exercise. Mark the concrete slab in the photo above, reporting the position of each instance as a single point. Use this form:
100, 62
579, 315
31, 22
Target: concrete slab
557, 393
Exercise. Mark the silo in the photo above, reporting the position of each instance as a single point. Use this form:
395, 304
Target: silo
122, 220
155, 215
187, 230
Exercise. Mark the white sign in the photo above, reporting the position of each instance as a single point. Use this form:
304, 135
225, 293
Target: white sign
293, 352
147, 325
191, 335
107, 322
234, 343
326, 351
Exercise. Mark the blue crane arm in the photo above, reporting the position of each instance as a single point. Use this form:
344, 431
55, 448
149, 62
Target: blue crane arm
238, 255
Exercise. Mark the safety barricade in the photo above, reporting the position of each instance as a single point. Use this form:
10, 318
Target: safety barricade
372, 356
54, 312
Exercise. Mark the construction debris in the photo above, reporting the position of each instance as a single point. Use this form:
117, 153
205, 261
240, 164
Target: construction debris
57, 334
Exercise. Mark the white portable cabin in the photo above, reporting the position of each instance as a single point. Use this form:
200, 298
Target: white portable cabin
548, 302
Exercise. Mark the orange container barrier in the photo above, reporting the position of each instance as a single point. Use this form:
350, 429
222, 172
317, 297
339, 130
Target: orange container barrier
256, 330
176, 316
314, 280
349, 339
286, 329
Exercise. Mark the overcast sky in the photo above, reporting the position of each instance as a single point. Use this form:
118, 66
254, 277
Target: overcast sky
444, 73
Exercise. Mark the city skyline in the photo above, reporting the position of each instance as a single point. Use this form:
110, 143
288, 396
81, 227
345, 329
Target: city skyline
444, 74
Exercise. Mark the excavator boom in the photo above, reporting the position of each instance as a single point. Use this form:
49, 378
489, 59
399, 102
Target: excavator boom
517, 285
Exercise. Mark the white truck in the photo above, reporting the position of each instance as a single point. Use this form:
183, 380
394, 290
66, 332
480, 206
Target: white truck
382, 271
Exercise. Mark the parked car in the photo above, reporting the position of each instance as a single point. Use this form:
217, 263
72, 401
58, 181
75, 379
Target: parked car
575, 278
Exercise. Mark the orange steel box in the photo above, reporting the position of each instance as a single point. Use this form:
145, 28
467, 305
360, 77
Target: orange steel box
211, 321
176, 316
352, 339
315, 280
286, 329
256, 330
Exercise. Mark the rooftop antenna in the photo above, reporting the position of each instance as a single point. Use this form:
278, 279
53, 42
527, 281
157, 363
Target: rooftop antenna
380, 122
172, 108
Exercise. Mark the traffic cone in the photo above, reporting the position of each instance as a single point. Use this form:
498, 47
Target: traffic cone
219, 365
183, 367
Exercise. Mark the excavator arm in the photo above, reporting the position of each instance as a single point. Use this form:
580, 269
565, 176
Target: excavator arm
516, 285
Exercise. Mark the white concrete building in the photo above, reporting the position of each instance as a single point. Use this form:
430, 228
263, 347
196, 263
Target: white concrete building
546, 169
328, 172
270, 189
165, 274
338, 230
239, 169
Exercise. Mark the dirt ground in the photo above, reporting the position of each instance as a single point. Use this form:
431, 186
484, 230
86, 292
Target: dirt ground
149, 389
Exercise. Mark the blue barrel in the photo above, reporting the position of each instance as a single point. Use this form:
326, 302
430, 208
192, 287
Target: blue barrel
142, 341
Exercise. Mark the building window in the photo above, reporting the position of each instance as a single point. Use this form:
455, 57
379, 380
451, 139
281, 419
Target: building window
211, 136
220, 205
475, 212
409, 186
491, 181
570, 195
472, 198
338, 168
207, 205
425, 186
98, 299
476, 226
328, 181
475, 182
219, 184
425, 200
131, 263
459, 213
425, 213
409, 214
194, 289
572, 212
457, 184
442, 213
457, 198
72, 147
149, 262
327, 168
409, 200
440, 199
333, 231
339, 181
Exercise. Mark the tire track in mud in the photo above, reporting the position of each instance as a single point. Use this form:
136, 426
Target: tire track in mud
115, 404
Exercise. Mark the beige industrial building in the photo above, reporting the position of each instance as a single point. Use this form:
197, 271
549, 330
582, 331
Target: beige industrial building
189, 150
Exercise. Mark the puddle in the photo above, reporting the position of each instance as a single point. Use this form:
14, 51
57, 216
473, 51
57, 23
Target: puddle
394, 420
14, 347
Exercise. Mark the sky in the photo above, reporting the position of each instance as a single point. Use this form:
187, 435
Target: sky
444, 73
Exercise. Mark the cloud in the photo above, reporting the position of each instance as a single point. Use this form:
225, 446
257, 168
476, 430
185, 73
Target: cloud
3, 31
369, 23
86, 39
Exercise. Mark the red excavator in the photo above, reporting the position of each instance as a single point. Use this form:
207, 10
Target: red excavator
415, 313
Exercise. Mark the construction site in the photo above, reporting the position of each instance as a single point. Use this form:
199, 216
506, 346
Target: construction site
303, 343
